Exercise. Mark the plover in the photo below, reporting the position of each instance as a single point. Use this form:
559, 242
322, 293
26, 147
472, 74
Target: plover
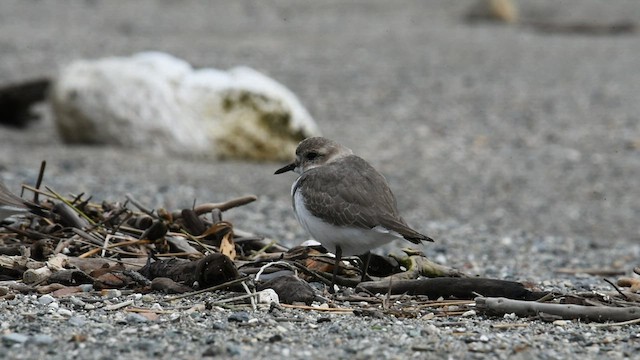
343, 202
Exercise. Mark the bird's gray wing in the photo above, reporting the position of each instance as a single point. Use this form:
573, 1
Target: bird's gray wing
359, 197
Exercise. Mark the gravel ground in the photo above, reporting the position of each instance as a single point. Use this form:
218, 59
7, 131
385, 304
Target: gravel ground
516, 150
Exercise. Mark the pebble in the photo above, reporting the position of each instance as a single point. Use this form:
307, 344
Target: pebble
241, 316
46, 299
77, 320
86, 287
268, 296
77, 302
14, 338
469, 313
42, 339
111, 293
135, 318
218, 325
65, 312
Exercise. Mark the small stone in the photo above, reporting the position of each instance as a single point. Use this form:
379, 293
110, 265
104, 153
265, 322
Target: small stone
240, 316
233, 350
89, 307
77, 302
134, 318
268, 296
54, 305
218, 325
77, 320
195, 315
561, 323
14, 338
156, 307
282, 329
86, 287
510, 316
65, 312
286, 353
469, 313
147, 298
174, 316
428, 316
275, 338
111, 293
212, 351
42, 339
429, 330
46, 299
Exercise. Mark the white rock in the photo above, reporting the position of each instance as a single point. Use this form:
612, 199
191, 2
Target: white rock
268, 296
157, 102
468, 313
46, 299
65, 312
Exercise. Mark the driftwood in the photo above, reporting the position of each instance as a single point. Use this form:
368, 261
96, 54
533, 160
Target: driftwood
501, 306
459, 288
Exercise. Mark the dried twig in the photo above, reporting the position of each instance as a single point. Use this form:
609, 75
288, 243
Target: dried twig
212, 288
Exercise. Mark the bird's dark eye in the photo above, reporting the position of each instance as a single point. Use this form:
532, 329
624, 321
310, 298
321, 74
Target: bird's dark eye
312, 155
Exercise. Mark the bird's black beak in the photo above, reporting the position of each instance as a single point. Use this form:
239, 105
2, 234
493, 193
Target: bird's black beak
289, 167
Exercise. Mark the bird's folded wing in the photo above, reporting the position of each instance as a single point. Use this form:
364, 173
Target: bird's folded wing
360, 199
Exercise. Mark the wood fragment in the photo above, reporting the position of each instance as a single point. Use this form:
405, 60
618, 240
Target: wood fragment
500, 306
460, 288
317, 308
223, 206
212, 288
119, 306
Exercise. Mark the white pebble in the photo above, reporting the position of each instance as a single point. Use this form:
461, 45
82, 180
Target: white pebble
46, 299
268, 296
65, 312
469, 313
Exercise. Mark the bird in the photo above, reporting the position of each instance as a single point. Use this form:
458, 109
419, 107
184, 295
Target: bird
11, 204
343, 202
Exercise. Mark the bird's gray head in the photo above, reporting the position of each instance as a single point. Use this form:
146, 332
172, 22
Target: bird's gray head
314, 152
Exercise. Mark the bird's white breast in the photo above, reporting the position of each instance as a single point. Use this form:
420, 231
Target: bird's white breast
352, 240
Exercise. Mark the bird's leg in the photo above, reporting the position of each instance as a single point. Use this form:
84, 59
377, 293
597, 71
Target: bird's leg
335, 268
365, 265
